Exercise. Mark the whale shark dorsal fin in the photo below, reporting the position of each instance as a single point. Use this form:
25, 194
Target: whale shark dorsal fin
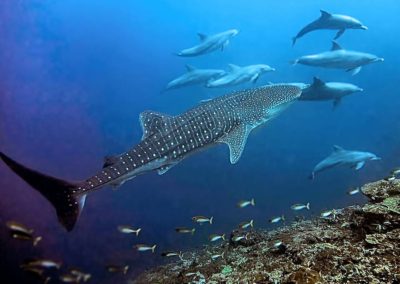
202, 36
236, 140
190, 67
233, 67
337, 148
318, 82
154, 122
325, 14
335, 46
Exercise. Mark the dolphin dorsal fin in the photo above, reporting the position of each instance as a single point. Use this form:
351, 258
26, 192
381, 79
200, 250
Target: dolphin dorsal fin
325, 14
154, 122
318, 82
202, 36
337, 148
233, 67
189, 67
236, 140
335, 46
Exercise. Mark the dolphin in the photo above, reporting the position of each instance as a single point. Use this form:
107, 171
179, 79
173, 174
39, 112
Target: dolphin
166, 141
328, 21
209, 43
340, 156
323, 91
339, 58
194, 76
237, 75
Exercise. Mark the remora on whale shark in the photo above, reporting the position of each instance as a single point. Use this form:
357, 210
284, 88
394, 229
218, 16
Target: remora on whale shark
209, 43
328, 21
166, 141
323, 91
340, 156
339, 58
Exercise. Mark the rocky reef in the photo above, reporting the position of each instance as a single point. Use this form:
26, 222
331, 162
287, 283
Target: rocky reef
354, 245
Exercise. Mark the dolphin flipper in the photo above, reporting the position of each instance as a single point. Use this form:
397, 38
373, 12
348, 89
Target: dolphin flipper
339, 33
354, 71
336, 103
359, 165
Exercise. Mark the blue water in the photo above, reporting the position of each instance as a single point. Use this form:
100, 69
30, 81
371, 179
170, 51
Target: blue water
75, 75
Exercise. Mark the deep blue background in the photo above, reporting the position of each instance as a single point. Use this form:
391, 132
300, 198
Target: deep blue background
74, 76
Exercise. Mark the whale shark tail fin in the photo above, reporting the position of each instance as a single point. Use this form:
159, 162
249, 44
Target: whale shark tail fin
61, 194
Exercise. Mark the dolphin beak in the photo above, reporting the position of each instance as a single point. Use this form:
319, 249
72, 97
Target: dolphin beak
376, 159
364, 28
360, 90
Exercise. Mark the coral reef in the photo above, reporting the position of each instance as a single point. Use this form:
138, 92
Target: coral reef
357, 245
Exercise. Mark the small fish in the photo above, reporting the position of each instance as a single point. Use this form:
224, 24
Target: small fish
277, 219
240, 237
118, 268
353, 191
185, 230
216, 256
215, 237
80, 275
202, 219
277, 244
34, 270
390, 178
68, 278
190, 274
298, 207
171, 254
395, 172
18, 227
44, 263
245, 225
245, 203
22, 236
126, 229
327, 213
142, 247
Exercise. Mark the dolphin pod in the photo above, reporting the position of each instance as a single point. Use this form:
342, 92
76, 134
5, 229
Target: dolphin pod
328, 21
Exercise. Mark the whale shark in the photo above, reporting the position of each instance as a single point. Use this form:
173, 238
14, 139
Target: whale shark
328, 21
166, 141
323, 91
340, 156
209, 43
339, 58
237, 75
194, 76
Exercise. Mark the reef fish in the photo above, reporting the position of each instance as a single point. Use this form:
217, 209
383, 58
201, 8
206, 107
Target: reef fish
245, 203
298, 207
166, 141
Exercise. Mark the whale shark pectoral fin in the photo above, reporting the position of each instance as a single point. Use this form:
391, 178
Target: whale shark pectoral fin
359, 165
202, 36
117, 185
109, 160
354, 71
325, 14
153, 122
236, 141
255, 78
162, 170
335, 46
339, 34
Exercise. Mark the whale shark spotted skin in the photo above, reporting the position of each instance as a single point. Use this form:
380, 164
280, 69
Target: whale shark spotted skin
328, 21
166, 141
340, 156
209, 43
339, 58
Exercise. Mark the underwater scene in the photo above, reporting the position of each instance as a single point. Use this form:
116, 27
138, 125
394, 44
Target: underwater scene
194, 141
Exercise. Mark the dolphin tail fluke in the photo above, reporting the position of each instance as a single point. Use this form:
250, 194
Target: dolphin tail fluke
60, 193
312, 176
294, 62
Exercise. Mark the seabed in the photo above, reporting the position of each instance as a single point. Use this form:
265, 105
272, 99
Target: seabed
361, 244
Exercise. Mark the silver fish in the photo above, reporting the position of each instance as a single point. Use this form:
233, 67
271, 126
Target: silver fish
202, 219
80, 275
353, 191
277, 219
185, 230
68, 278
327, 213
44, 263
22, 236
245, 225
245, 203
118, 268
395, 171
277, 244
215, 237
127, 229
172, 253
18, 227
297, 207
216, 256
239, 238
142, 248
